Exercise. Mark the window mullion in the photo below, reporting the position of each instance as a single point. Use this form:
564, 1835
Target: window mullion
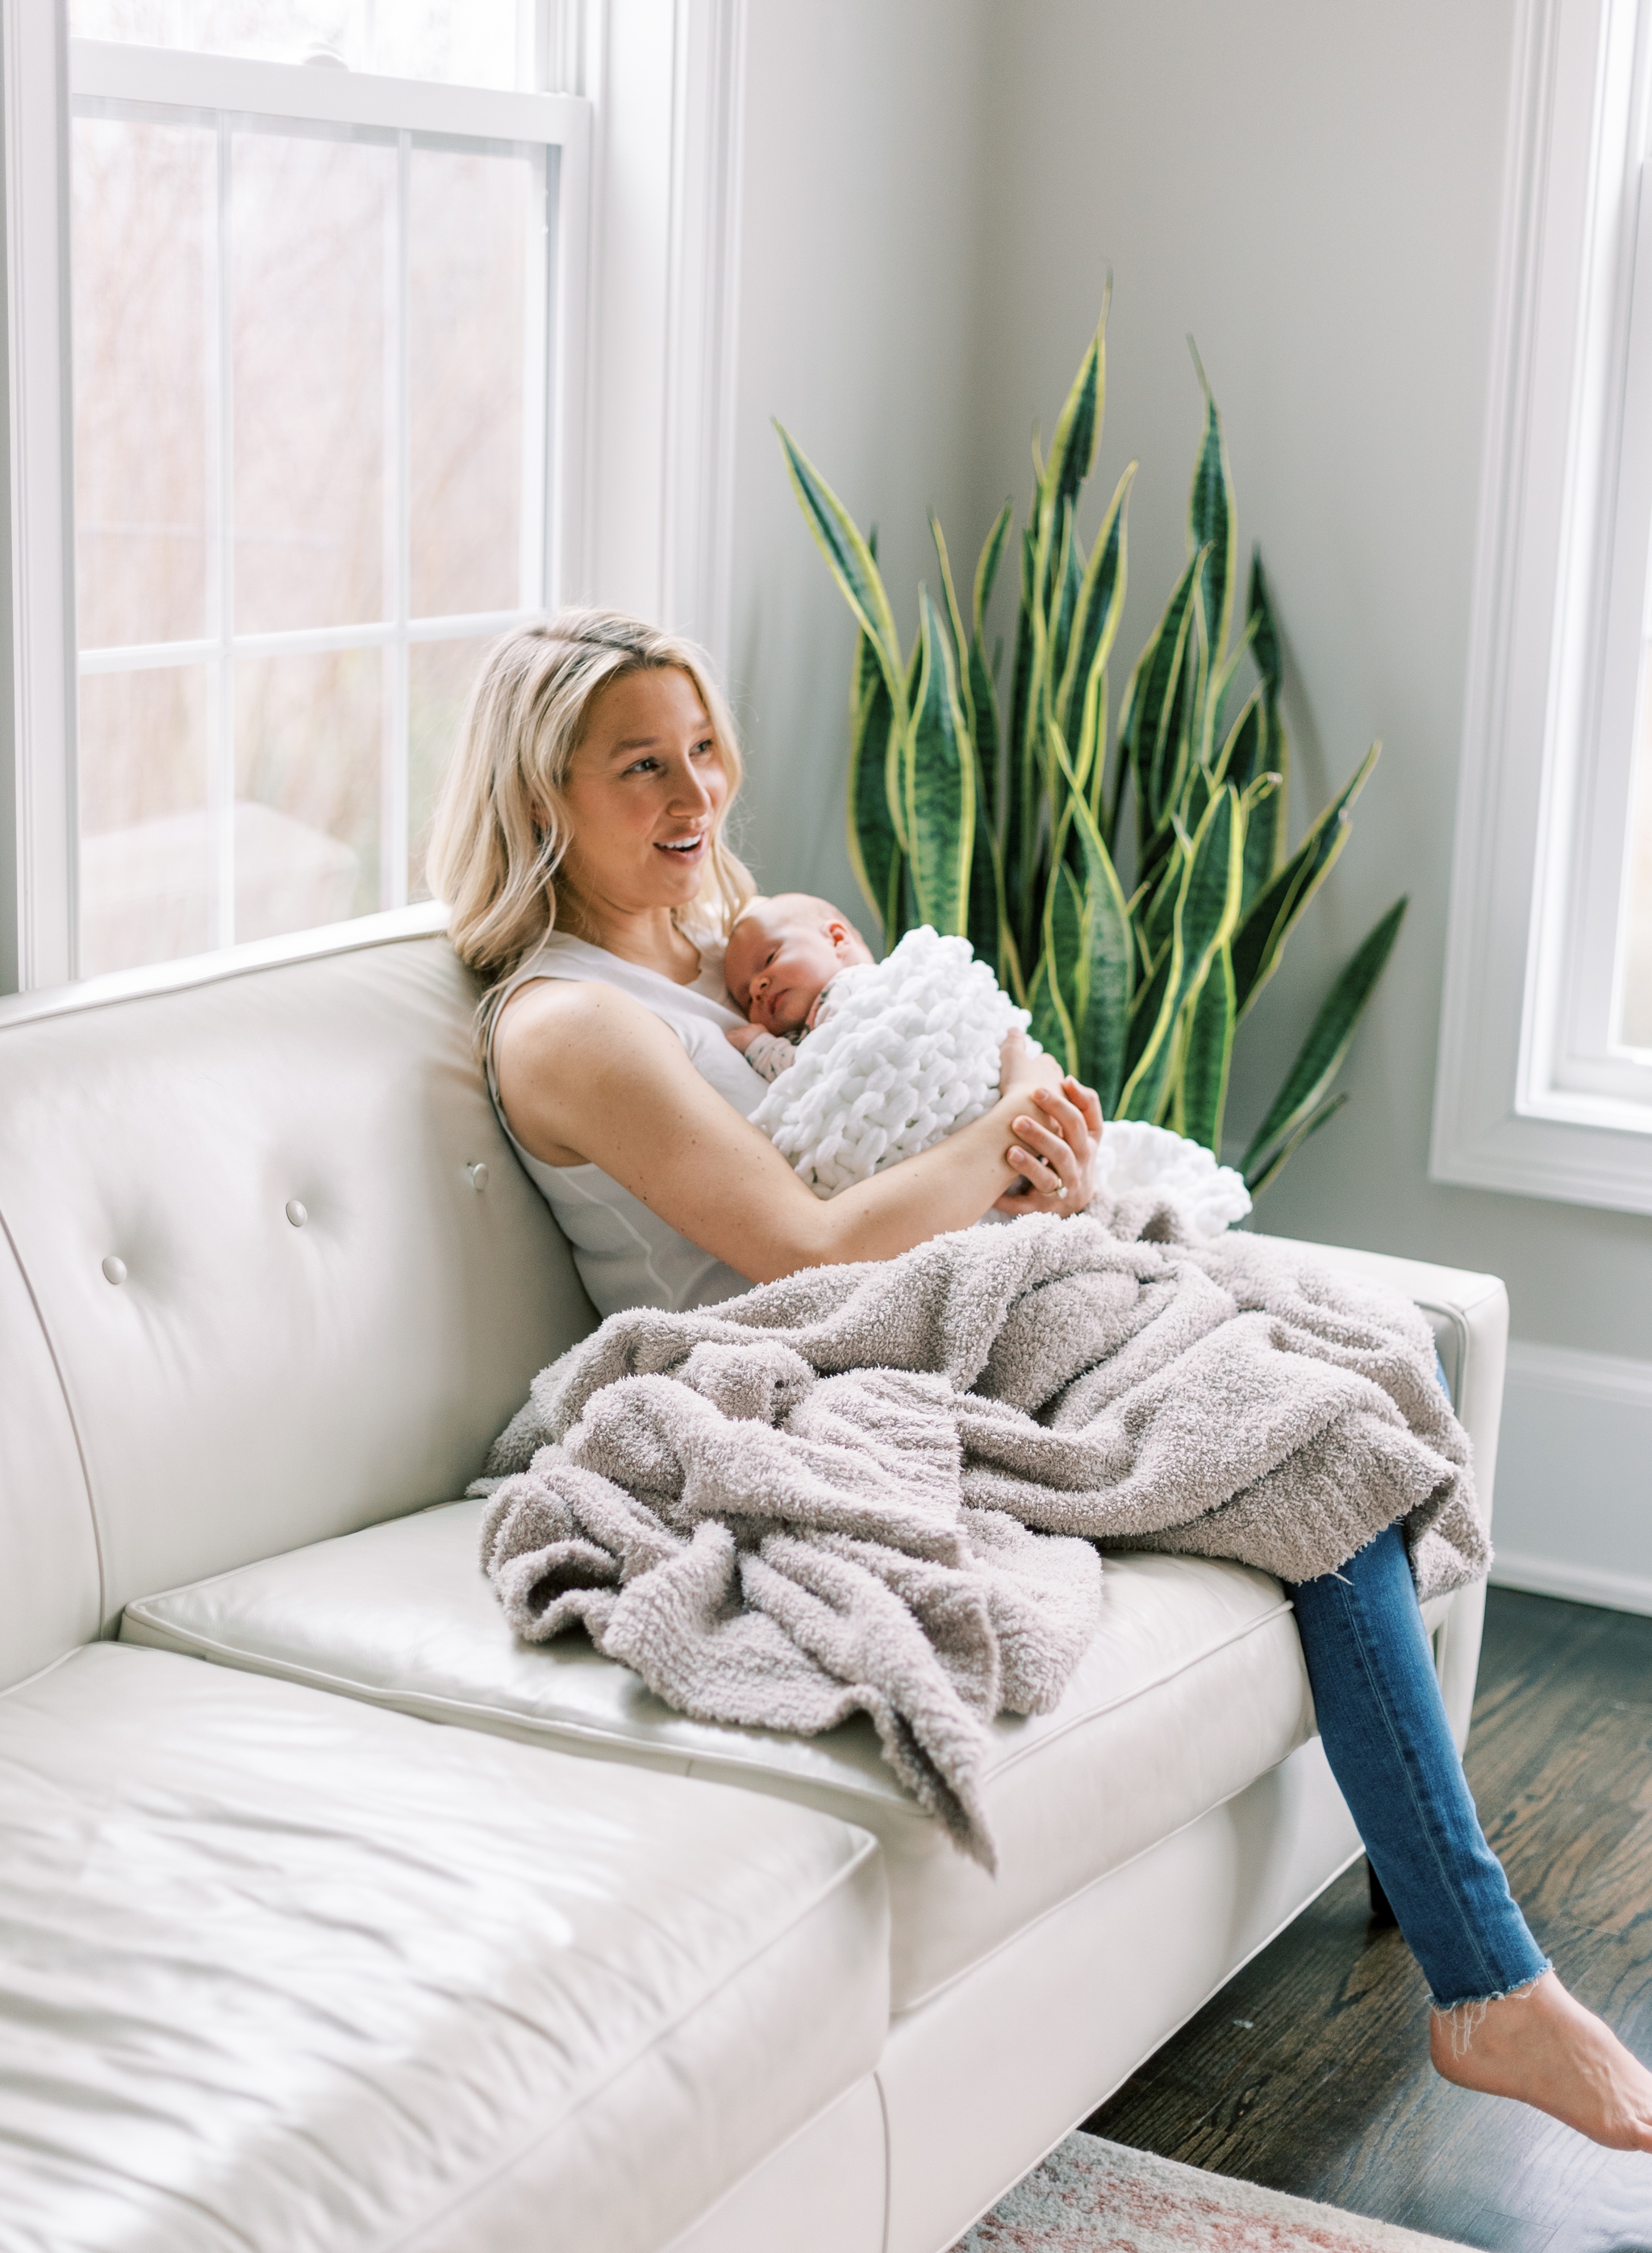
534, 586
221, 486
392, 855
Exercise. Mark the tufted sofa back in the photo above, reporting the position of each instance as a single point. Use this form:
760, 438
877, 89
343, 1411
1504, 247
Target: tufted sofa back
268, 1271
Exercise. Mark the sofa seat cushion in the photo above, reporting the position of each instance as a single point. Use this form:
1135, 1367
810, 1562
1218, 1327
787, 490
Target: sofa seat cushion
1193, 1687
286, 1974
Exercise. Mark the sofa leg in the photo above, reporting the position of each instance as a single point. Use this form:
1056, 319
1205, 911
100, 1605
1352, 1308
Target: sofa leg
1382, 1912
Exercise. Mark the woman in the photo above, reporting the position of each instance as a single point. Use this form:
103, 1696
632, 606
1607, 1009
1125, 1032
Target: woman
580, 847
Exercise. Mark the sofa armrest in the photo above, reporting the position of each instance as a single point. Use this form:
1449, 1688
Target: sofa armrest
1470, 1315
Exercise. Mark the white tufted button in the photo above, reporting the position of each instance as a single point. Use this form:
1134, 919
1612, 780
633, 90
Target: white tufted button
478, 1173
115, 1269
295, 1212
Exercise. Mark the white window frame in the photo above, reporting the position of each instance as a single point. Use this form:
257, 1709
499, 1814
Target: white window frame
44, 613
1533, 1093
646, 481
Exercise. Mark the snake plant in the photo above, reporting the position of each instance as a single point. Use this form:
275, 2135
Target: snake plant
1136, 900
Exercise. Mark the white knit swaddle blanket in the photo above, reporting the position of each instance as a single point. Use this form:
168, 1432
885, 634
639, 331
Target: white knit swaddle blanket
909, 1053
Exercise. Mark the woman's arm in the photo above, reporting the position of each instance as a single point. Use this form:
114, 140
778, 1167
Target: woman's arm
587, 1074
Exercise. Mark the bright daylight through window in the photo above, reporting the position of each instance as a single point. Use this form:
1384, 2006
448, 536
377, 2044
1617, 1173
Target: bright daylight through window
1545, 1057
313, 387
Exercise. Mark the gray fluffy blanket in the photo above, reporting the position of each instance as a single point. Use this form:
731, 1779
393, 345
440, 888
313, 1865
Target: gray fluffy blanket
879, 1487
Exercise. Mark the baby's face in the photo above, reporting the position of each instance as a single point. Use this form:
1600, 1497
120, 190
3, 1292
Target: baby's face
776, 966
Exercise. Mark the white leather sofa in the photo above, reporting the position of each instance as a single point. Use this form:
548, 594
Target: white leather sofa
287, 1968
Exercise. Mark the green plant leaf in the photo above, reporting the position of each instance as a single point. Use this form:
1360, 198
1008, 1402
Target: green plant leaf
1072, 449
1210, 520
955, 621
1202, 1091
983, 696
1069, 579
1240, 757
1265, 638
1048, 1029
1311, 1125
1221, 681
1158, 913
1271, 917
1149, 1014
1322, 1054
987, 926
1017, 826
852, 565
1066, 972
875, 850
1094, 982
1263, 834
1210, 907
992, 555
1100, 603
1206, 913
1103, 1023
940, 782
1154, 728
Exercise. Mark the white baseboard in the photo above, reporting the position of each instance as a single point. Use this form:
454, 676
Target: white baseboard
1572, 1514
1607, 1376
1578, 1584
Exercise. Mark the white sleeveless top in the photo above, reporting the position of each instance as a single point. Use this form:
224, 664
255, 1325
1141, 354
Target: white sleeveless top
626, 1255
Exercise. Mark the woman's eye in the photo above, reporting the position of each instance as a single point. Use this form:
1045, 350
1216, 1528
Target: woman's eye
704, 751
642, 766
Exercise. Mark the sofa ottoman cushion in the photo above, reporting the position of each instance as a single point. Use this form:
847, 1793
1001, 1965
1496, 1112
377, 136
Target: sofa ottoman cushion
1193, 1687
290, 1974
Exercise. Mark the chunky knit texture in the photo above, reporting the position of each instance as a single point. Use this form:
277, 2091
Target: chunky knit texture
908, 1054
1135, 1156
877, 1487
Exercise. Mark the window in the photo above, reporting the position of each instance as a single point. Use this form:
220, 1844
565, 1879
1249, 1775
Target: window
1544, 1083
322, 376
282, 459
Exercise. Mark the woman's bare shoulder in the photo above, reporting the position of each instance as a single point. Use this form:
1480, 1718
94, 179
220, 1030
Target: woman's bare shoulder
573, 1009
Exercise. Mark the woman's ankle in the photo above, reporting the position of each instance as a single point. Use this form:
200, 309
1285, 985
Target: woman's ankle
1539, 2045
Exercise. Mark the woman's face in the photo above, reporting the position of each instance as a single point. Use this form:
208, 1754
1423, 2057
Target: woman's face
643, 793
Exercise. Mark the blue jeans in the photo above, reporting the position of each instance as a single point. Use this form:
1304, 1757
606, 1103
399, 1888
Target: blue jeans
1384, 1725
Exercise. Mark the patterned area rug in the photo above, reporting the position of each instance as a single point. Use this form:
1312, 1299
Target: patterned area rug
1090, 2196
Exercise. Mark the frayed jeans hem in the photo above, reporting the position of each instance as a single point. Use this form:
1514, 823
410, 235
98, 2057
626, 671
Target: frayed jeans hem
1482, 2003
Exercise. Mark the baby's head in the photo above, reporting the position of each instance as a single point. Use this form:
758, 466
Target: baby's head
782, 953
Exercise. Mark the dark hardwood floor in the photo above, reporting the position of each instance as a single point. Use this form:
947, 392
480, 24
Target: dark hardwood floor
1309, 2071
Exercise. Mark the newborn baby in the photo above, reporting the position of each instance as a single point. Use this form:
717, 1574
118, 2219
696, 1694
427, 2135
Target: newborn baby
784, 958
868, 1062
891, 1055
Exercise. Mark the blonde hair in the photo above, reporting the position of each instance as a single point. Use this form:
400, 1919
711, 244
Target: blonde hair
491, 861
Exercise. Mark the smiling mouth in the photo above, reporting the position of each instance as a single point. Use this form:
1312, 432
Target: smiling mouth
684, 847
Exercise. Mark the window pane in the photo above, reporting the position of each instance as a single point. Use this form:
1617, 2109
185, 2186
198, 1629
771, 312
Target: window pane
441, 675
141, 210
465, 42
313, 233
308, 740
1635, 1026
468, 237
146, 845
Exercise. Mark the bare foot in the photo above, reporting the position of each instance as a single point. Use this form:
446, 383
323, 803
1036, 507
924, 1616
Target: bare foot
1544, 2049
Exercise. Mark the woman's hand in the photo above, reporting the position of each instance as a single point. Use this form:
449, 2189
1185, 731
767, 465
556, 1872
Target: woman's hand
1057, 1135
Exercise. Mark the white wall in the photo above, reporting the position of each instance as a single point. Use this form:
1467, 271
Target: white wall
859, 260
933, 195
